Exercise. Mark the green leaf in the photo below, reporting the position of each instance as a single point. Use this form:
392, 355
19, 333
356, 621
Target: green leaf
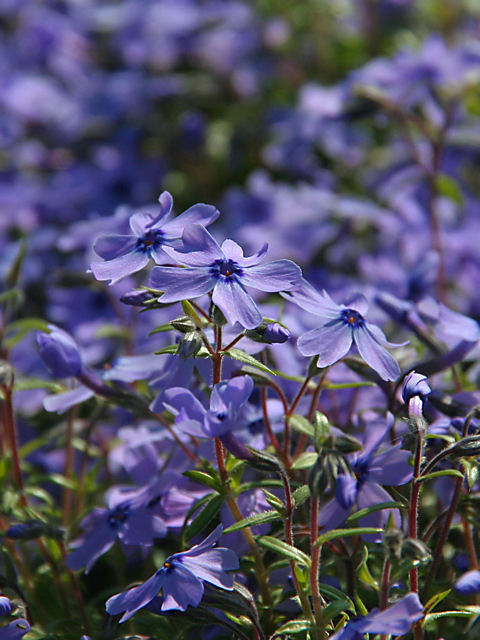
363, 572
16, 331
173, 348
274, 502
204, 478
439, 474
305, 460
251, 521
161, 328
300, 495
285, 549
448, 187
246, 358
333, 593
189, 311
301, 424
294, 626
432, 617
25, 384
375, 507
436, 599
206, 515
339, 533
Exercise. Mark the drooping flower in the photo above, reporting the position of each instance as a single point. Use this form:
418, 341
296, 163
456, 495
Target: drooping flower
226, 272
342, 326
396, 620
151, 233
181, 579
60, 352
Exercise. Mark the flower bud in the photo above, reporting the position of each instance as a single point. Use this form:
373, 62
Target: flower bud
415, 384
392, 541
274, 333
415, 549
469, 446
184, 324
189, 345
136, 298
60, 353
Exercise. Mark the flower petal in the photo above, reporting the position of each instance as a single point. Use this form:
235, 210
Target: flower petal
200, 249
113, 246
234, 251
375, 355
60, 402
279, 275
203, 214
331, 342
134, 599
181, 284
236, 304
96, 543
181, 589
319, 303
118, 268
212, 565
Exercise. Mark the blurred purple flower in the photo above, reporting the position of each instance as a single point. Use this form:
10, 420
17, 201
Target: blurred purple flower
469, 583
395, 620
59, 352
181, 579
342, 327
225, 270
131, 520
371, 469
125, 254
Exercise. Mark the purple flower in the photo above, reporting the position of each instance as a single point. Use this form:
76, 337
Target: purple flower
469, 583
395, 620
131, 520
341, 327
59, 352
181, 579
225, 270
126, 254
227, 401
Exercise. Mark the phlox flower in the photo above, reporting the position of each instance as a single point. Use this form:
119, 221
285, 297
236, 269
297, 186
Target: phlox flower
181, 579
226, 272
342, 326
126, 254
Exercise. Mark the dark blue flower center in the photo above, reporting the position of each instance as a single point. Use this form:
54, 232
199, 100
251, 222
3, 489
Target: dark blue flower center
150, 240
352, 318
117, 516
361, 469
221, 415
225, 269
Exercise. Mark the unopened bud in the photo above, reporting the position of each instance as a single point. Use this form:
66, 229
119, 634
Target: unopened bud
415, 549
136, 298
415, 384
469, 446
184, 324
392, 541
189, 345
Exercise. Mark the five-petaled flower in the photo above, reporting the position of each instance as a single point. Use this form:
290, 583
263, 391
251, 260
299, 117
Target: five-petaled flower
181, 579
226, 272
342, 326
126, 254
